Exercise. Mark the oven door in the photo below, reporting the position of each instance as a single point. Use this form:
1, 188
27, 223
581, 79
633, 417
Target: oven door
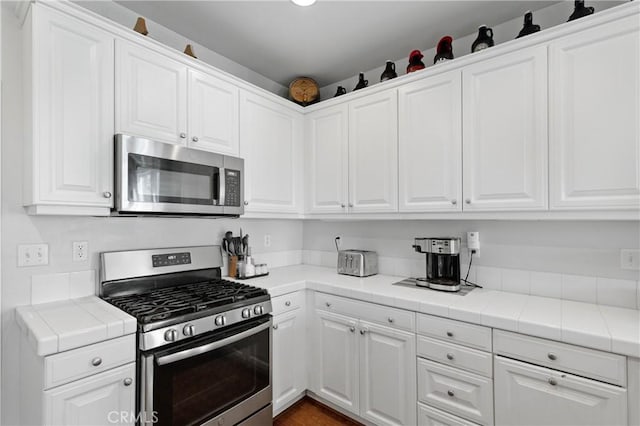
223, 376
156, 177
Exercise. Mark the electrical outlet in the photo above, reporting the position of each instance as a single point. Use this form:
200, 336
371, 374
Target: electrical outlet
630, 259
33, 254
473, 243
80, 251
267, 240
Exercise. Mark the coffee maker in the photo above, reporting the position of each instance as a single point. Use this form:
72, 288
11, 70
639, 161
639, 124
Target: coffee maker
442, 263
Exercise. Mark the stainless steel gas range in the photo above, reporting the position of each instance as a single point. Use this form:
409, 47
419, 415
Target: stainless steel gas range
204, 343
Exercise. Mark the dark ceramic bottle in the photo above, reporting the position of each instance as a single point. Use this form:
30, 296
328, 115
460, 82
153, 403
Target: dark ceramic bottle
415, 61
484, 40
580, 10
362, 83
389, 72
341, 91
444, 51
529, 27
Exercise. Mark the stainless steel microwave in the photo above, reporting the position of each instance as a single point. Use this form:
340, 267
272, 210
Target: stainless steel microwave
156, 178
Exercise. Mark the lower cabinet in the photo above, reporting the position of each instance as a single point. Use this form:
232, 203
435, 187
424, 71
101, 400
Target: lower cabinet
429, 416
526, 394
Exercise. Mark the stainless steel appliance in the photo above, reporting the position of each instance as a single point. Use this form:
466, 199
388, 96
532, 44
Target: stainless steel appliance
204, 343
155, 178
359, 263
442, 263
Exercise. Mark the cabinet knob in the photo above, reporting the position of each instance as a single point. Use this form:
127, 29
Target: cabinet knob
195, 139
275, 326
246, 203
552, 356
391, 320
468, 201
128, 381
449, 334
350, 204
343, 205
106, 194
183, 135
454, 202
96, 361
552, 381
363, 331
352, 329
450, 357
450, 393
287, 303
328, 304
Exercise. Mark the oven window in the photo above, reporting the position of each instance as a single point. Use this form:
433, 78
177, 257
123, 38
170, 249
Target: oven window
190, 391
158, 180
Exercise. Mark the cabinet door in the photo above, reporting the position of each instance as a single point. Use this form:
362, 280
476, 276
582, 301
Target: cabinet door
271, 145
336, 360
72, 153
505, 132
103, 399
213, 114
151, 94
387, 375
288, 358
430, 144
595, 118
373, 153
529, 395
328, 160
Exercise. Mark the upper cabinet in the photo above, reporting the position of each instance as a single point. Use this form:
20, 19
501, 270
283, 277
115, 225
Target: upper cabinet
595, 118
430, 144
69, 84
271, 145
161, 98
504, 130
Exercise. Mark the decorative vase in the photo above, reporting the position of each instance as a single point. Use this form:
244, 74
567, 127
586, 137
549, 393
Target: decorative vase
444, 51
529, 27
341, 91
189, 51
580, 10
389, 72
362, 83
141, 26
484, 40
415, 61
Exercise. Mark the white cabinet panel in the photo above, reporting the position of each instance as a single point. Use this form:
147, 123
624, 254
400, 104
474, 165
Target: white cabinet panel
429, 416
328, 156
271, 145
213, 114
595, 117
96, 400
530, 395
373, 153
430, 144
387, 375
288, 358
505, 132
151, 94
70, 159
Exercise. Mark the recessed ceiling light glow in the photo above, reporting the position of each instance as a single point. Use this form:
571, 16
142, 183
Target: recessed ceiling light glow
303, 2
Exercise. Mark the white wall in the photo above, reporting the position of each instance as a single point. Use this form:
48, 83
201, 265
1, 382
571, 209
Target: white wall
546, 18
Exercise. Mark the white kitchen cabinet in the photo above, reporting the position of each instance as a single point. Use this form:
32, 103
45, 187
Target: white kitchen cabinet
387, 375
69, 82
430, 144
328, 160
102, 399
289, 367
272, 147
505, 132
373, 153
530, 395
151, 94
429, 416
595, 117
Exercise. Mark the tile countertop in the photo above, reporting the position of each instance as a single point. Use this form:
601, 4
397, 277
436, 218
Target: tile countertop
601, 327
60, 326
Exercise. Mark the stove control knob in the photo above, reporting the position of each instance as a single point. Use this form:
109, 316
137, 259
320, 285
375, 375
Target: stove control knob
188, 330
220, 320
246, 313
171, 335
258, 310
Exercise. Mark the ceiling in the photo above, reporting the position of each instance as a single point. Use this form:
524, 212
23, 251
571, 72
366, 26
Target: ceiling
329, 41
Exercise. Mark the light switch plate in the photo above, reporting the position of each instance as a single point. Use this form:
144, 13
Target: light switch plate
33, 254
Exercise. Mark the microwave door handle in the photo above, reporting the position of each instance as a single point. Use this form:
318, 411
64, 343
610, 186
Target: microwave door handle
188, 353
223, 187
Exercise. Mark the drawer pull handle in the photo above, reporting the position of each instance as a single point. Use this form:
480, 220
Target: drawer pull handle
552, 356
450, 357
449, 333
275, 326
287, 303
328, 304
128, 381
352, 329
552, 382
391, 320
96, 361
450, 393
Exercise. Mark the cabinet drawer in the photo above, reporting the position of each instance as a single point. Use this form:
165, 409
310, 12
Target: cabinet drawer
429, 416
287, 302
603, 366
455, 355
72, 365
475, 336
391, 317
464, 394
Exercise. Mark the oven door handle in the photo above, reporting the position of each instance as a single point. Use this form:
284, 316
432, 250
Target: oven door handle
188, 353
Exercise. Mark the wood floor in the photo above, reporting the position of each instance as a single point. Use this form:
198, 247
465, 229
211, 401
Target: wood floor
309, 412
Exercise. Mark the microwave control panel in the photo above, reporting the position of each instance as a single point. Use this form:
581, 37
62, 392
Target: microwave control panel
232, 188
